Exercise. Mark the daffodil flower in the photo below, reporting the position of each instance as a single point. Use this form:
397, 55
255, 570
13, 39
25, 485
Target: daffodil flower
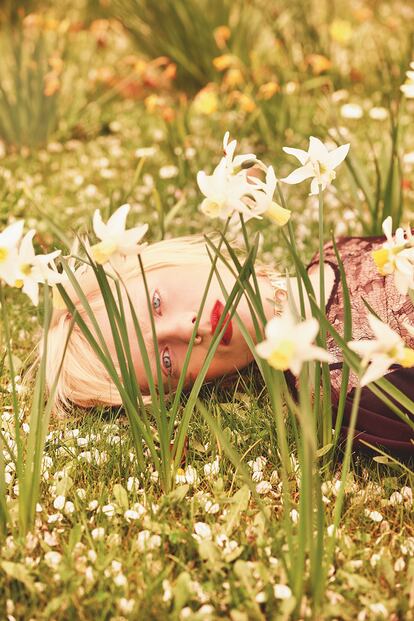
289, 343
235, 164
115, 239
396, 256
380, 353
223, 191
32, 269
9, 240
317, 163
263, 199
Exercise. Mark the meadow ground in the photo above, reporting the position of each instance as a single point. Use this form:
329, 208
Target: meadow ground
109, 124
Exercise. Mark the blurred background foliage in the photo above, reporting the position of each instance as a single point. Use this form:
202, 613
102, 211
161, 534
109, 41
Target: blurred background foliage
172, 76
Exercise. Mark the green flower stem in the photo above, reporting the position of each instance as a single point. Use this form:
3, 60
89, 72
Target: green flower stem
326, 384
341, 494
292, 241
18, 439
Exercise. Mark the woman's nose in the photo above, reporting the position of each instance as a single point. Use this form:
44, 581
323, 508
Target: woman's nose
180, 327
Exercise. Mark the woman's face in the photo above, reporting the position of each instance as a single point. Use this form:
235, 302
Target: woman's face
176, 293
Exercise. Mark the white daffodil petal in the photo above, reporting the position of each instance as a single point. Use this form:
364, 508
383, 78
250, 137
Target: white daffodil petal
307, 330
365, 348
300, 154
387, 228
26, 250
116, 223
317, 150
314, 189
299, 175
377, 369
338, 155
388, 337
12, 234
98, 225
31, 288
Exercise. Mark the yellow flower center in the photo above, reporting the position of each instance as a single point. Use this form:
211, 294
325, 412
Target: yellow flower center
384, 259
102, 252
26, 269
4, 253
212, 208
280, 358
18, 283
407, 357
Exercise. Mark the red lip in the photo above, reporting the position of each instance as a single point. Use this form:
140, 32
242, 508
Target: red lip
215, 316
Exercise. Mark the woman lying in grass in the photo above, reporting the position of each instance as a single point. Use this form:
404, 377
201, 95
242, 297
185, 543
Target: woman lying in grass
178, 273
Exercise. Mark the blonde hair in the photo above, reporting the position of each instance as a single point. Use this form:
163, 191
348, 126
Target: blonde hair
83, 379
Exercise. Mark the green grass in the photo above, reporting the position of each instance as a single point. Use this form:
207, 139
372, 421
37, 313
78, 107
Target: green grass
57, 187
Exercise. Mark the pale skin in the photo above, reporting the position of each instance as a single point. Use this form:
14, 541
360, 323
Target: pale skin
176, 293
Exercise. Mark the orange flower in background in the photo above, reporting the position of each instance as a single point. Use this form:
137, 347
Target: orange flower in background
221, 35
341, 31
154, 102
233, 78
226, 61
206, 100
243, 101
52, 84
266, 91
56, 63
318, 63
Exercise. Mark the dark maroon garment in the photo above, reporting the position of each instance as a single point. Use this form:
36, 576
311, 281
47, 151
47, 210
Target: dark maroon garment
376, 423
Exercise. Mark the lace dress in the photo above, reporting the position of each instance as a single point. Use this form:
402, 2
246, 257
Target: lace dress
376, 423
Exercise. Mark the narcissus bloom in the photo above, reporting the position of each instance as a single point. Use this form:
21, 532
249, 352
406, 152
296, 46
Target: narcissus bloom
225, 189
32, 269
9, 240
223, 192
289, 343
378, 354
396, 256
317, 163
115, 239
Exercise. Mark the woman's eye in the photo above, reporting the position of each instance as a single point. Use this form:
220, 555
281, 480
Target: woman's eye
166, 361
156, 302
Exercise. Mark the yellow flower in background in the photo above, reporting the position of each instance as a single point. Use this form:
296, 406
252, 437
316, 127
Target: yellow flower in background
266, 91
318, 63
246, 103
52, 84
206, 101
226, 61
221, 35
233, 78
341, 31
153, 102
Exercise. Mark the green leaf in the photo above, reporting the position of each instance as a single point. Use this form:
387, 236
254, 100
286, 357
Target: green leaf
121, 496
63, 486
182, 590
74, 536
17, 571
178, 494
209, 552
239, 503
323, 450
